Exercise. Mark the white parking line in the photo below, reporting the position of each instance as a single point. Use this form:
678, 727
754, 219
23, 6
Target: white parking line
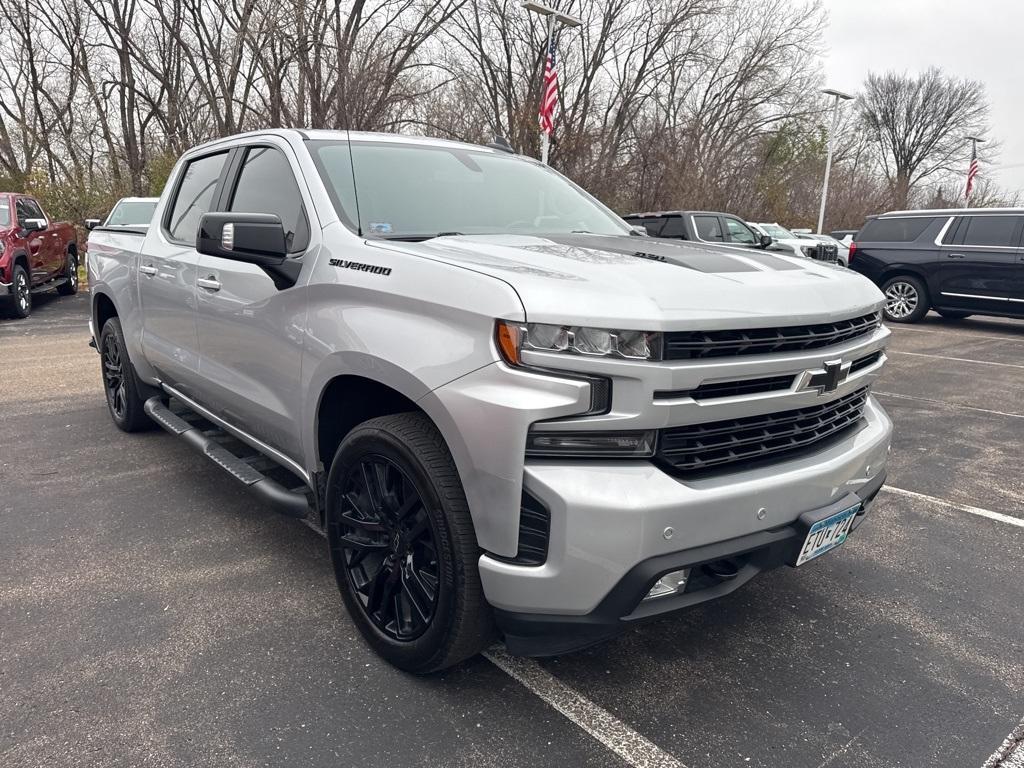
582, 712
956, 406
1011, 752
950, 331
998, 516
954, 359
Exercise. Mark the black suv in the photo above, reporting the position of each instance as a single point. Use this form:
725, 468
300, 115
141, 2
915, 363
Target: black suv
957, 262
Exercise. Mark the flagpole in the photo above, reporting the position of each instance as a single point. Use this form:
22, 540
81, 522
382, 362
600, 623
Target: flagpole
553, 16
545, 137
974, 157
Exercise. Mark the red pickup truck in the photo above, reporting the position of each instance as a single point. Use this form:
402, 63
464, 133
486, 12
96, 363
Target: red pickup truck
36, 254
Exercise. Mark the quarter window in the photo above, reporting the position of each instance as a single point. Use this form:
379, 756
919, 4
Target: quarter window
895, 230
266, 184
195, 196
991, 230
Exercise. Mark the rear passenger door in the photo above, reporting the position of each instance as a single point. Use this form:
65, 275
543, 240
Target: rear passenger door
167, 273
978, 262
251, 329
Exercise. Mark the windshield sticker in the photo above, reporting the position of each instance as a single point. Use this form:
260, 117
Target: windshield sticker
380, 227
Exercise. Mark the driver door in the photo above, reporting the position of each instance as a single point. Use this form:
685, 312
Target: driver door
40, 254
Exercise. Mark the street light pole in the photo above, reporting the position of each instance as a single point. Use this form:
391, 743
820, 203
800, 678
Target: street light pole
837, 95
552, 16
975, 141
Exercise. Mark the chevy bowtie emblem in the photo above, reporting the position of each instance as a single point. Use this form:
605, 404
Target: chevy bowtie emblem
828, 378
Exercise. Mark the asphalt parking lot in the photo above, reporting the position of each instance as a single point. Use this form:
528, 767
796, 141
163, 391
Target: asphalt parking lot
153, 614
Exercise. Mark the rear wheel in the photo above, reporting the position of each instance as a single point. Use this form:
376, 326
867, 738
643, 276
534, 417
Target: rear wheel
70, 288
21, 293
123, 390
403, 545
906, 299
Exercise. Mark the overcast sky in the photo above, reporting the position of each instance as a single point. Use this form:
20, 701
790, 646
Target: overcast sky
979, 39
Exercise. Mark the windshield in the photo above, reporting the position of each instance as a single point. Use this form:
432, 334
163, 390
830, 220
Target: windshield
779, 233
131, 213
416, 192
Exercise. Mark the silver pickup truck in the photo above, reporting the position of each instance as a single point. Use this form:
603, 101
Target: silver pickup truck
509, 412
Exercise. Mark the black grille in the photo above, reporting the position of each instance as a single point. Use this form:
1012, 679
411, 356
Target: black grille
825, 252
729, 388
865, 362
689, 345
717, 444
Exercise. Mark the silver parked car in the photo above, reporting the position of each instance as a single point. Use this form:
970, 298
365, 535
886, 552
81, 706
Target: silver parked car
503, 406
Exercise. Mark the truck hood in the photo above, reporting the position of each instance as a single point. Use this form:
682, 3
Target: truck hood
654, 284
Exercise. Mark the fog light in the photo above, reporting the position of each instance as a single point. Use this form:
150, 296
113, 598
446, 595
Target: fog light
670, 584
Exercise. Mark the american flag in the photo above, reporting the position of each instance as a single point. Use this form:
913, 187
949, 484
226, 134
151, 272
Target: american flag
549, 99
972, 170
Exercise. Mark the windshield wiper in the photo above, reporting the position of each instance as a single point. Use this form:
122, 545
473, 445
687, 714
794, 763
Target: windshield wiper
418, 238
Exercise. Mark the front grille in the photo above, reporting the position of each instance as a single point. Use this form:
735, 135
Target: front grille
825, 252
692, 345
718, 444
729, 388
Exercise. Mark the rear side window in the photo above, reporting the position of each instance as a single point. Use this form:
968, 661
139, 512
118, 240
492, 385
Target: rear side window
900, 230
674, 227
266, 184
990, 230
708, 228
194, 196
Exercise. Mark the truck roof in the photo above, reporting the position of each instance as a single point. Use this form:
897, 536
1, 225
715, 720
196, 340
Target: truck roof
677, 213
951, 212
334, 135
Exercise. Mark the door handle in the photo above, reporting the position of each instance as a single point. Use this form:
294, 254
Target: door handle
148, 269
209, 283
956, 256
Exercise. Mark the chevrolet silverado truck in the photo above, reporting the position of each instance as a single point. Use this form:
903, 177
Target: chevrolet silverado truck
509, 412
36, 254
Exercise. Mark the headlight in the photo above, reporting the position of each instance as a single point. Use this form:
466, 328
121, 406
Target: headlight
596, 445
515, 338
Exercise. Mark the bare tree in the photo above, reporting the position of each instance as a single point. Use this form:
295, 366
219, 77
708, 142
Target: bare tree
920, 123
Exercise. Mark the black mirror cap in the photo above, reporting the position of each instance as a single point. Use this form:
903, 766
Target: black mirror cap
766, 241
35, 225
255, 238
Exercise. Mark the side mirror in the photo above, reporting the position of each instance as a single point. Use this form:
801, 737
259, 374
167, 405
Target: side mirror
255, 238
35, 225
92, 223
639, 230
765, 241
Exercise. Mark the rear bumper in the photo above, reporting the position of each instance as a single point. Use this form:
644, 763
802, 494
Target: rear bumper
715, 570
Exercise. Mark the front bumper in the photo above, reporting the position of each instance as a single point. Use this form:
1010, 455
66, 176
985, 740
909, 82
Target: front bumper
716, 570
609, 518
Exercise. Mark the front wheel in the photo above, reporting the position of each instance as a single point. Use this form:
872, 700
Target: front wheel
70, 287
21, 292
403, 545
906, 299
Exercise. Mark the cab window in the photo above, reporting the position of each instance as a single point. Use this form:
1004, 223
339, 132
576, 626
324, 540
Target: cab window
738, 232
708, 228
194, 196
266, 184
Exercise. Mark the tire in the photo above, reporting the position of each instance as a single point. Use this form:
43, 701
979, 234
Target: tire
70, 288
403, 545
906, 299
21, 293
953, 314
121, 386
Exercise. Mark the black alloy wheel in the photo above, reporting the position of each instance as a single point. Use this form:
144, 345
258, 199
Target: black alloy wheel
70, 287
114, 377
389, 548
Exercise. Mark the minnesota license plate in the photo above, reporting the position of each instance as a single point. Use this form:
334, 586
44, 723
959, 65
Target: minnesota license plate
827, 534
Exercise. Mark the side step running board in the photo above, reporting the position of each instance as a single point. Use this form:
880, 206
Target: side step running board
292, 503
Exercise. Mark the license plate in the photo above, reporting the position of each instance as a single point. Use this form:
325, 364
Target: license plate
827, 534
